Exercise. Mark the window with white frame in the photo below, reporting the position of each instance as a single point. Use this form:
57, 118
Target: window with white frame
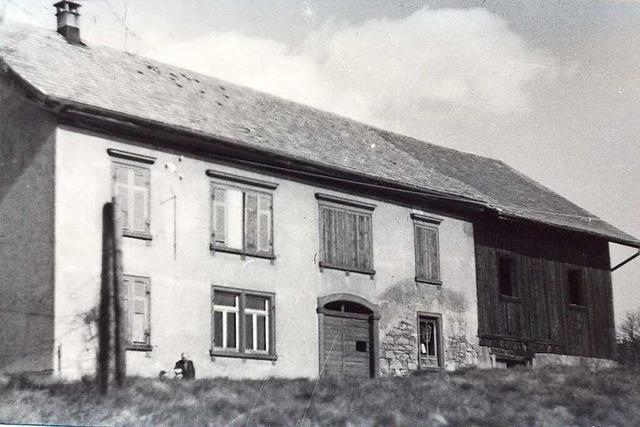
242, 323
226, 308
241, 215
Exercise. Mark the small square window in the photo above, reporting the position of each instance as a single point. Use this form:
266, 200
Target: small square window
361, 346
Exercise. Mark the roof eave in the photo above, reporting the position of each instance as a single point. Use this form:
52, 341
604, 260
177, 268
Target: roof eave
631, 242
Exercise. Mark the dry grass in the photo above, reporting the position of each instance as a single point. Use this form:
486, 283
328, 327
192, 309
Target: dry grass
549, 397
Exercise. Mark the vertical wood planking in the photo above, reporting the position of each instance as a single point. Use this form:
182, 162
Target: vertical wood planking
543, 315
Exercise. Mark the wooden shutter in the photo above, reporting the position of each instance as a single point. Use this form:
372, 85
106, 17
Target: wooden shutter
251, 222
265, 221
140, 319
364, 242
140, 202
126, 301
427, 253
349, 239
328, 224
122, 187
219, 212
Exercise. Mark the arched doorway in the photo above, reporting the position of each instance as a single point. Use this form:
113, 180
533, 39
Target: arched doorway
348, 332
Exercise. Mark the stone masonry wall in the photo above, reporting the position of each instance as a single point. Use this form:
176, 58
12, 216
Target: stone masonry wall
399, 349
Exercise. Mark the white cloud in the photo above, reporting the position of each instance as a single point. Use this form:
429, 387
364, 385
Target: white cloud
17, 13
408, 74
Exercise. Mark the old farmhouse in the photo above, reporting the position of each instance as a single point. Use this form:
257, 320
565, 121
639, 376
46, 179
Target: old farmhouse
267, 238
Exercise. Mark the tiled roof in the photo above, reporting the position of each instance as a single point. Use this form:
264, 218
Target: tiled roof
130, 85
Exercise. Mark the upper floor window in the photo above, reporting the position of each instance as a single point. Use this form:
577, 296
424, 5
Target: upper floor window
575, 287
346, 236
131, 188
506, 276
243, 323
241, 215
427, 248
136, 304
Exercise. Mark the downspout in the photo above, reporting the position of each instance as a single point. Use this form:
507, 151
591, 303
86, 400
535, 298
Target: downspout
632, 257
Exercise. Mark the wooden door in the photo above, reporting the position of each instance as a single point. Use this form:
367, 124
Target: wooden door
347, 344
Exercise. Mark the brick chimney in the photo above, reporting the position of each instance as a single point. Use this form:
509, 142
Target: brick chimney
68, 20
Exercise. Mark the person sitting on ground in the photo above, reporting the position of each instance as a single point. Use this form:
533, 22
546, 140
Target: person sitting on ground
185, 368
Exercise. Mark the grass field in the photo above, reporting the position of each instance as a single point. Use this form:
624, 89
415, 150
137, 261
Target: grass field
549, 397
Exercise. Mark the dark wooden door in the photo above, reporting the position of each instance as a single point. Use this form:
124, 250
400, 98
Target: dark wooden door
347, 345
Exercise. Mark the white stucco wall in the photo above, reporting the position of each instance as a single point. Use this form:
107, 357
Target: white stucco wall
27, 146
181, 286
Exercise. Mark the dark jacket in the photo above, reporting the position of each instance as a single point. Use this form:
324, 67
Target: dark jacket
188, 370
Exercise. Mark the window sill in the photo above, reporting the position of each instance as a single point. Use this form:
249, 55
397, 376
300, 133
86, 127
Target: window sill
430, 368
510, 298
139, 347
236, 355
438, 283
577, 307
240, 252
137, 235
347, 270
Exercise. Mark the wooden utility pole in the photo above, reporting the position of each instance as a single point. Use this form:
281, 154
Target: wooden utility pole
105, 319
111, 323
118, 287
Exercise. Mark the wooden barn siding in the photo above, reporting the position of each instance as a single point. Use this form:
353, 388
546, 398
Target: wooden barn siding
541, 320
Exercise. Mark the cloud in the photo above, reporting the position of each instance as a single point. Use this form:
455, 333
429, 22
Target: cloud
17, 13
407, 74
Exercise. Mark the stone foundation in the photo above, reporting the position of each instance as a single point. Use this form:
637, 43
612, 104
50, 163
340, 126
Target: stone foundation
399, 350
548, 359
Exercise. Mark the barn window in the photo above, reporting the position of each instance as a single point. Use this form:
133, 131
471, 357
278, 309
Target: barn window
427, 249
346, 236
131, 188
243, 323
429, 341
506, 276
242, 216
575, 287
136, 303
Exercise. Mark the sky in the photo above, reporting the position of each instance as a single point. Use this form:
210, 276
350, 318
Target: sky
550, 87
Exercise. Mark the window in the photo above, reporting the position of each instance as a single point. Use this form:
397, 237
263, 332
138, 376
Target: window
429, 341
506, 276
346, 237
427, 249
575, 287
243, 324
136, 302
241, 217
131, 188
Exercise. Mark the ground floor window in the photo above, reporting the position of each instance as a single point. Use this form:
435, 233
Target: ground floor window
429, 341
136, 303
242, 323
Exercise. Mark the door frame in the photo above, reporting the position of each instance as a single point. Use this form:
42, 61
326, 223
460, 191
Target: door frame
373, 318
